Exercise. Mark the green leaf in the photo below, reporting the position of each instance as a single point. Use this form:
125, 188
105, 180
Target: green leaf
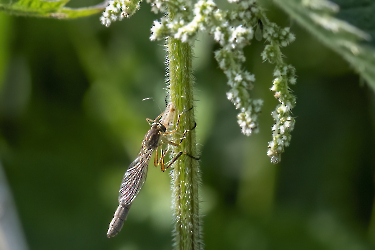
348, 33
53, 9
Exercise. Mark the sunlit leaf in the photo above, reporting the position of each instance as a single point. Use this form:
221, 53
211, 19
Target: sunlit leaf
53, 9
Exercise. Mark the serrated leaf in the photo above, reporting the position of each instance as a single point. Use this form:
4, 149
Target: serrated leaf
347, 33
53, 9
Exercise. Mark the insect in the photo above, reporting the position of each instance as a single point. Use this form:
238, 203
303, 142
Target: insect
135, 175
259, 31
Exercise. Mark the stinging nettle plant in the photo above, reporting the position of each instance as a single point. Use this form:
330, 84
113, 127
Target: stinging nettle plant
233, 30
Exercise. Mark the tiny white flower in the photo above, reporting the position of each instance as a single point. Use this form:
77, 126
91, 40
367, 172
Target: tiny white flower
238, 78
230, 95
249, 77
252, 125
241, 15
284, 108
259, 102
218, 35
282, 129
292, 80
244, 4
258, 108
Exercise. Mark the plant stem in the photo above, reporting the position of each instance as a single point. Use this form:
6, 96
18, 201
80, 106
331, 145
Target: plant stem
185, 175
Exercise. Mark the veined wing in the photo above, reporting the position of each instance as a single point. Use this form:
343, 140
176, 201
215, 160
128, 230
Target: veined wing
134, 178
131, 184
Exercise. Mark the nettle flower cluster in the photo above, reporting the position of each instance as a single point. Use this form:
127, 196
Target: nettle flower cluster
284, 75
118, 9
284, 122
233, 30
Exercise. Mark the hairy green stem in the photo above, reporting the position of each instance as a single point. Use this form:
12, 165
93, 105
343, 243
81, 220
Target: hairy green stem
185, 175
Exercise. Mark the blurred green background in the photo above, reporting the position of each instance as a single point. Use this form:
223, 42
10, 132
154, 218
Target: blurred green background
72, 119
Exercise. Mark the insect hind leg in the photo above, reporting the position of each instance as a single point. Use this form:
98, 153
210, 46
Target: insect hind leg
178, 156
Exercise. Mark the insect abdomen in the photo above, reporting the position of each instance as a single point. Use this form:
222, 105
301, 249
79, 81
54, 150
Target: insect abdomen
118, 220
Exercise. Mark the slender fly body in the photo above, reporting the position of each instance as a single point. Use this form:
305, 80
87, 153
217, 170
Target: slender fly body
135, 175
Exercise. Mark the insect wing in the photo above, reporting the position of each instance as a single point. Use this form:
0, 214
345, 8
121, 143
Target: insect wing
134, 178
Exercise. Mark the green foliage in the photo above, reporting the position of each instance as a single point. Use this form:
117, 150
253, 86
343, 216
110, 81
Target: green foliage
42, 8
343, 34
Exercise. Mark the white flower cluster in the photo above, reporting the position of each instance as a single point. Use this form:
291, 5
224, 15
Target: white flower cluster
118, 9
233, 33
280, 133
159, 29
284, 122
240, 82
274, 33
284, 75
248, 118
186, 24
246, 12
157, 6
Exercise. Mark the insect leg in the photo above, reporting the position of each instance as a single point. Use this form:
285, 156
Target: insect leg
156, 157
178, 122
163, 153
178, 156
183, 136
180, 153
177, 144
150, 121
161, 161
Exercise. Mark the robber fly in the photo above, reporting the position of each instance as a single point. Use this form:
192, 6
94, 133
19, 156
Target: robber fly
135, 175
